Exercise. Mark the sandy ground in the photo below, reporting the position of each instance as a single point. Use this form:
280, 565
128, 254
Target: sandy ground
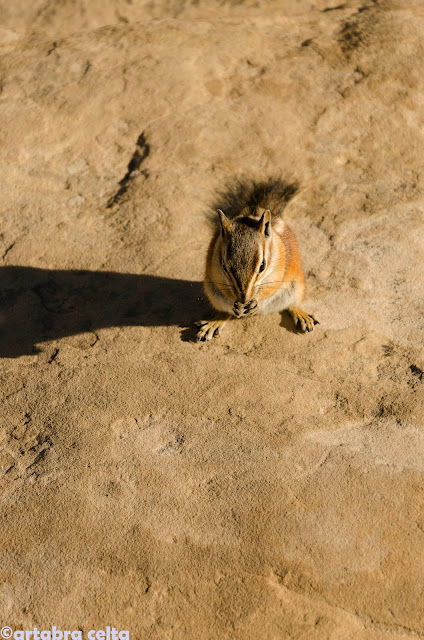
267, 485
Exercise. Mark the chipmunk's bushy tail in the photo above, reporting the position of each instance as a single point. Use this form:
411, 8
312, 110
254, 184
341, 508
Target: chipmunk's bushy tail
246, 196
272, 194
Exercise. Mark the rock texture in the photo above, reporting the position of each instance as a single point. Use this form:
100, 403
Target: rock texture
268, 484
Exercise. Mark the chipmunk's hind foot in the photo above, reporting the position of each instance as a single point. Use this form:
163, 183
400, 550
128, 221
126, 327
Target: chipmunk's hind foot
211, 328
304, 321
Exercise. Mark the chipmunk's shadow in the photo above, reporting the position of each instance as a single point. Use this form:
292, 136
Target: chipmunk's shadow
38, 305
287, 322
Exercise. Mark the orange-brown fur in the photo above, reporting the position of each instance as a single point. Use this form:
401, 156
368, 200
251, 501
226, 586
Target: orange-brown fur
293, 266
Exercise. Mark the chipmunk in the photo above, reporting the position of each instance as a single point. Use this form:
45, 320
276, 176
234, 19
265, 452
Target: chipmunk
253, 263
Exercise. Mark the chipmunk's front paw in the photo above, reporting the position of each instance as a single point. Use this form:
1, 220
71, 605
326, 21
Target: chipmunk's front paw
238, 309
250, 309
304, 321
245, 310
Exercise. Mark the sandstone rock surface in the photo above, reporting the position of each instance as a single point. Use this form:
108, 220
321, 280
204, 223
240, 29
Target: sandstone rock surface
266, 485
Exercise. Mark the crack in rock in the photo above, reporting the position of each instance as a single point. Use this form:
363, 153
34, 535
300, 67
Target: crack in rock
140, 154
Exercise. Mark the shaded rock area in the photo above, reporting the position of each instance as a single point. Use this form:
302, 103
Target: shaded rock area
264, 485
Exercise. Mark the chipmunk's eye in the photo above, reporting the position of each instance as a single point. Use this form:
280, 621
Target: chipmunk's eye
262, 267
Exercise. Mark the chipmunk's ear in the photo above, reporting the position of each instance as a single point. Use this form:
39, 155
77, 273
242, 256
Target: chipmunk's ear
265, 223
225, 223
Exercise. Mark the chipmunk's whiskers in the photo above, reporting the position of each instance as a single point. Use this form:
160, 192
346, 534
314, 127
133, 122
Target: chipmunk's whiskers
266, 284
223, 285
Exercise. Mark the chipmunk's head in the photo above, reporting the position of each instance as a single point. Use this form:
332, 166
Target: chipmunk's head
245, 256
